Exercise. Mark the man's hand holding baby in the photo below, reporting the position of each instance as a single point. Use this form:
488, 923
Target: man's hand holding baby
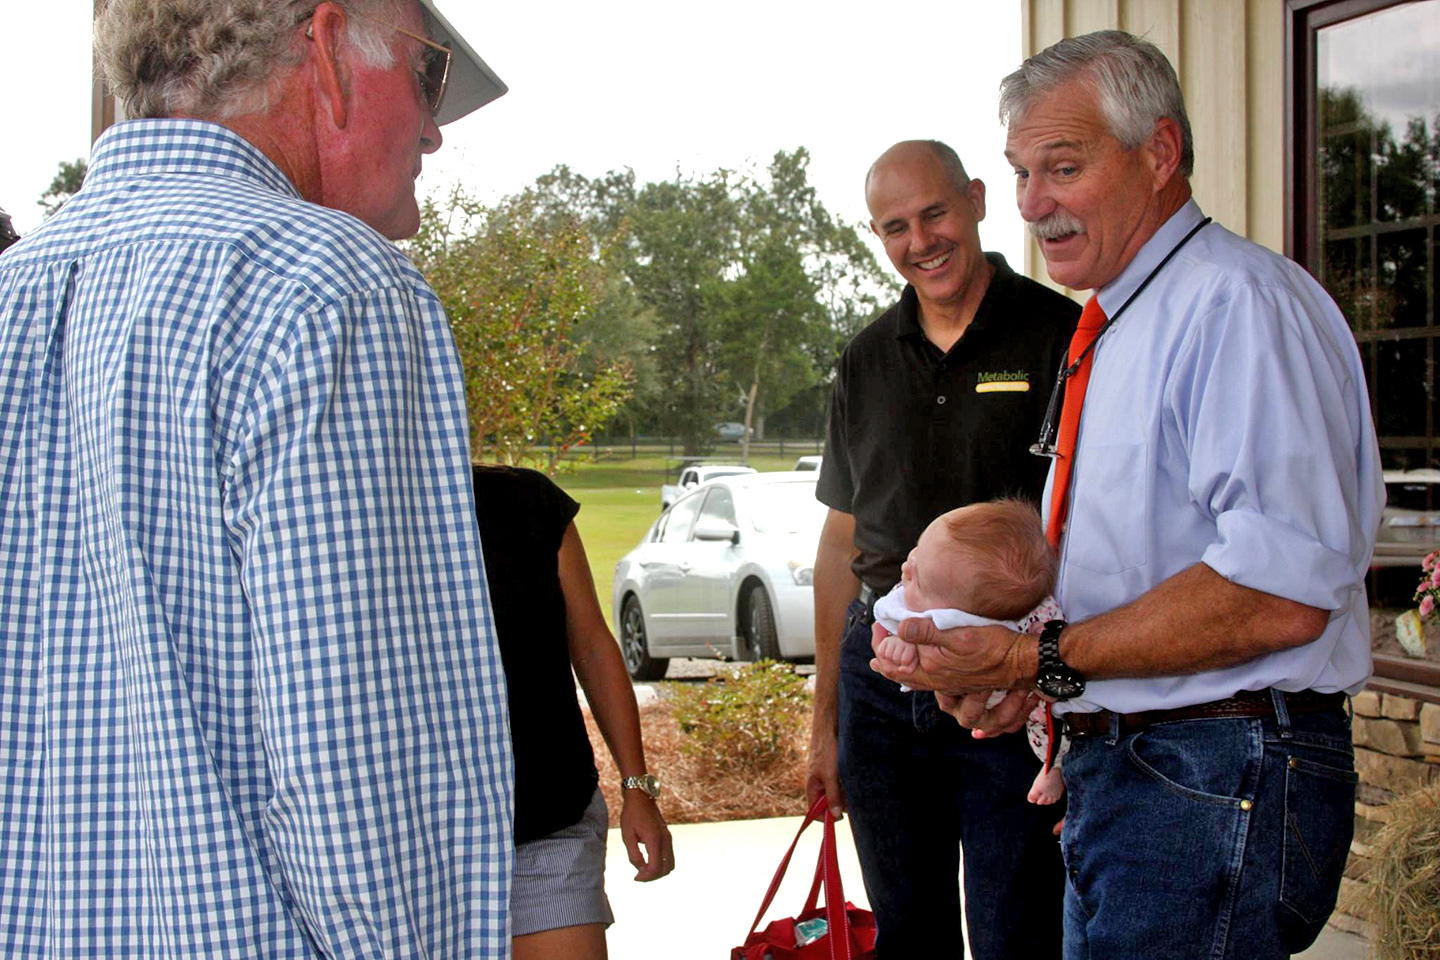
964, 665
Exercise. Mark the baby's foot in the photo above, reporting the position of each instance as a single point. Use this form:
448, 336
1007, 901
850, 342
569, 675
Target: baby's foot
1047, 788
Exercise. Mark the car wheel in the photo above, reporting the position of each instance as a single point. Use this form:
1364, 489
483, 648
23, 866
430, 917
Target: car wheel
633, 647
761, 641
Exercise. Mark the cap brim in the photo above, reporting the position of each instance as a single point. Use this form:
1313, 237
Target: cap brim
472, 83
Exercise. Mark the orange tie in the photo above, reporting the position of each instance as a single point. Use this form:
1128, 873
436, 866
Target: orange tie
1092, 318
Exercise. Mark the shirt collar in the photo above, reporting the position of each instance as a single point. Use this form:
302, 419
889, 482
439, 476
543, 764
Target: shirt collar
141, 148
907, 313
1114, 294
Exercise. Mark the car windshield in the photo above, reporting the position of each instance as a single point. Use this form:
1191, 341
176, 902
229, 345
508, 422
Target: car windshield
714, 472
785, 508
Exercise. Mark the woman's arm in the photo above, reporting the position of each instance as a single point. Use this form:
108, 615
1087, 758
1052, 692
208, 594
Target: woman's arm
596, 658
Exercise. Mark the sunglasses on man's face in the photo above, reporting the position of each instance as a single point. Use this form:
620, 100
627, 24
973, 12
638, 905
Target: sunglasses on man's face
436, 72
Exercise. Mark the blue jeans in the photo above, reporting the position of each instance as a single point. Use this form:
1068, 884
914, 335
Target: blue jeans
1217, 838
919, 788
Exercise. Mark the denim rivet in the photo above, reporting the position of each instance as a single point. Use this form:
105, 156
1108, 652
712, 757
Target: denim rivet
1294, 763
1246, 805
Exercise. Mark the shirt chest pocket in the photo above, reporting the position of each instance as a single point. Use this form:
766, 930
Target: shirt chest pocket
1109, 522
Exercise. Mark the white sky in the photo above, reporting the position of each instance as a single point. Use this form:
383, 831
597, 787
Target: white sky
641, 83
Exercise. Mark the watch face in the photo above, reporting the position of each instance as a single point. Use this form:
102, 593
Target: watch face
646, 783
1059, 685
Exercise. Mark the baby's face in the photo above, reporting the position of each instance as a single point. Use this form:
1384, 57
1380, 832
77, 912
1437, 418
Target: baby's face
933, 572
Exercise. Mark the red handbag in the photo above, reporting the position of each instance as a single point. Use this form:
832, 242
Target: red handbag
850, 931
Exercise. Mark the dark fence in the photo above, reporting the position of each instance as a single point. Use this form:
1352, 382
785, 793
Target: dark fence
674, 448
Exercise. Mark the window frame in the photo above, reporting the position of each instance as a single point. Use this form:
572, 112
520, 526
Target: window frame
1304, 19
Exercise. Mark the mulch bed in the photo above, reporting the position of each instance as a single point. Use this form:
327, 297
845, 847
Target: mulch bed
698, 789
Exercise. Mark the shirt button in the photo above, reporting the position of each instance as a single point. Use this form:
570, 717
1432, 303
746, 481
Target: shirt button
940, 399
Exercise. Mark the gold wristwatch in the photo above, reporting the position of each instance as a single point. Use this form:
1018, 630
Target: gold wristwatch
645, 782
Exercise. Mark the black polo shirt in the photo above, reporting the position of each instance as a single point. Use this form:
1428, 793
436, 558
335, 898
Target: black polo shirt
914, 432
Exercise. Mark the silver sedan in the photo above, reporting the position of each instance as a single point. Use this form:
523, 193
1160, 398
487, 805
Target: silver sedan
725, 572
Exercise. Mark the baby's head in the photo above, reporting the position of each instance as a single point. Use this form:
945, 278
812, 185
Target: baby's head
989, 559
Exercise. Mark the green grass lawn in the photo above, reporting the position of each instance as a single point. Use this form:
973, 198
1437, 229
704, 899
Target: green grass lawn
619, 499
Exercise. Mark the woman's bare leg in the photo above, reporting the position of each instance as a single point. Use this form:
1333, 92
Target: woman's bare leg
583, 942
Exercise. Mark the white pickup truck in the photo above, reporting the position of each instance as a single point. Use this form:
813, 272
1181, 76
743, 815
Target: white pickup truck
694, 476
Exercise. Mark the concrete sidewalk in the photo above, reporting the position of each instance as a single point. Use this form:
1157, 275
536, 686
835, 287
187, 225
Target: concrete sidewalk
705, 907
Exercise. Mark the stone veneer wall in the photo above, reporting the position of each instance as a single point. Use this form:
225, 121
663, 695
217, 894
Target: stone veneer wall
1397, 751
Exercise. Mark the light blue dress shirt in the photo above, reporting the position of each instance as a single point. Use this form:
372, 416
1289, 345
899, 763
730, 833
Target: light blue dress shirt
1227, 423
250, 699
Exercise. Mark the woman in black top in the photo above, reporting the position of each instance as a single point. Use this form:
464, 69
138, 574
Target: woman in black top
548, 620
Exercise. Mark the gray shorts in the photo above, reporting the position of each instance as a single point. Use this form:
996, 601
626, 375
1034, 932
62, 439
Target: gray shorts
560, 878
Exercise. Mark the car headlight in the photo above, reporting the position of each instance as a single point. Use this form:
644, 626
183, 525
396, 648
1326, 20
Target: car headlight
802, 573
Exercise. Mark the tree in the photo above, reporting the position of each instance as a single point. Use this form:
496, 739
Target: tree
683, 242
621, 328
65, 185
755, 288
797, 263
517, 282
747, 286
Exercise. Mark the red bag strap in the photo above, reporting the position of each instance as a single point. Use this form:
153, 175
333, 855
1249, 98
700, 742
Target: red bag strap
827, 872
811, 817
835, 913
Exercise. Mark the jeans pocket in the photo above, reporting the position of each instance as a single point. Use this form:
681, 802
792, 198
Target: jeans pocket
1181, 758
1319, 824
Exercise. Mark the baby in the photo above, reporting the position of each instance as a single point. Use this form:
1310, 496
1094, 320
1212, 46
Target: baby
977, 566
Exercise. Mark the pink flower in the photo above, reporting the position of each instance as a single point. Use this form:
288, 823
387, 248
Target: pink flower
1435, 577
1427, 605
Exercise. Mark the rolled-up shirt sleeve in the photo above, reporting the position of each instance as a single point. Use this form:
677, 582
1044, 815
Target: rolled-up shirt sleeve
1267, 410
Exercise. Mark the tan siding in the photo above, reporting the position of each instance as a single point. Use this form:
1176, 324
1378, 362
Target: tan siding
1265, 157
1085, 16
1212, 73
1156, 20
1047, 23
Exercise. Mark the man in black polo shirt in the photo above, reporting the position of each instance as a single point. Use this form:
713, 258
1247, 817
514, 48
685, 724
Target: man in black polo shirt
935, 406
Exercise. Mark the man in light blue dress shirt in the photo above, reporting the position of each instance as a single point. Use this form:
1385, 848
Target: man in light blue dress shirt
250, 699
1225, 497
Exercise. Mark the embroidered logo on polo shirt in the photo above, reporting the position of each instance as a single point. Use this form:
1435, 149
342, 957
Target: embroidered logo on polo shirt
1003, 381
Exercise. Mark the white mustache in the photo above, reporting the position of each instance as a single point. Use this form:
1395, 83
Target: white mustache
1057, 224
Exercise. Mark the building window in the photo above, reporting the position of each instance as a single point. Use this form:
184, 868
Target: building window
1366, 95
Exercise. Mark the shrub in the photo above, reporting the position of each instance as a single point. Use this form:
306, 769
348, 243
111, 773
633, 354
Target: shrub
748, 721
744, 779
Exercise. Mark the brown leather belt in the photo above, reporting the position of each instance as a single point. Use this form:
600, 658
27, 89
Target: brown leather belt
1246, 703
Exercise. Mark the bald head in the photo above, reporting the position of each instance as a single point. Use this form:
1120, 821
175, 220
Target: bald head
907, 151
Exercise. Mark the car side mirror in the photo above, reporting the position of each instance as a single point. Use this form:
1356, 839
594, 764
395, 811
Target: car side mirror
716, 530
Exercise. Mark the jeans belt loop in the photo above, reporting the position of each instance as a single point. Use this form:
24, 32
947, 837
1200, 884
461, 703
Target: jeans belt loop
868, 596
1282, 715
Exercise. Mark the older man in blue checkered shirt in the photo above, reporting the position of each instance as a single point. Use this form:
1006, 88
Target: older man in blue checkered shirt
250, 702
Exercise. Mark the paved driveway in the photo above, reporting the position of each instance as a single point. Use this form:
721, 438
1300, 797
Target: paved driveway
722, 870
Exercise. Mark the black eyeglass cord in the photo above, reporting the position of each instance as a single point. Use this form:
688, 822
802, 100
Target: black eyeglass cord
1045, 446
1074, 368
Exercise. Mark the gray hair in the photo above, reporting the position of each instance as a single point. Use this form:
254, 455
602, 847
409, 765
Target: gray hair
216, 58
1136, 85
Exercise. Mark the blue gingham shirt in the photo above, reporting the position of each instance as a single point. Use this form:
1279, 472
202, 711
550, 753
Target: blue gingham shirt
250, 699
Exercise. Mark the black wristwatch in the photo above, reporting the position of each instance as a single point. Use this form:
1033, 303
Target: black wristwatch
1055, 679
